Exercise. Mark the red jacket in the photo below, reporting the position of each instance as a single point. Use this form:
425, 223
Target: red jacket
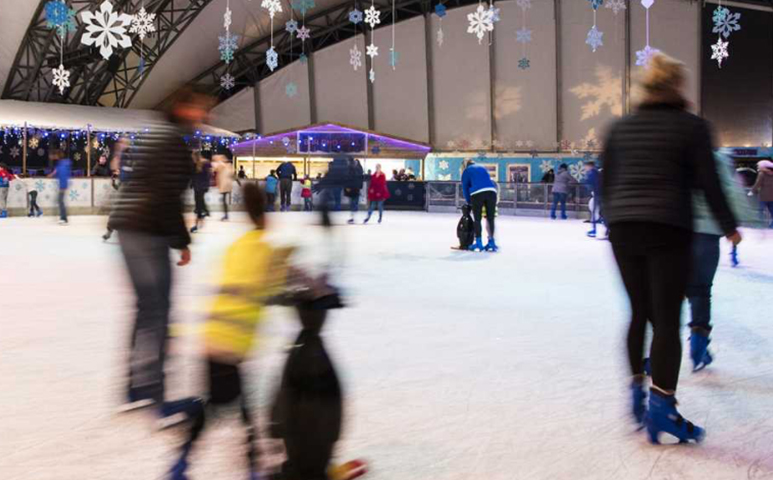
377, 191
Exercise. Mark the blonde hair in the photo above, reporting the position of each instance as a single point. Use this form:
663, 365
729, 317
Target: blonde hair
661, 81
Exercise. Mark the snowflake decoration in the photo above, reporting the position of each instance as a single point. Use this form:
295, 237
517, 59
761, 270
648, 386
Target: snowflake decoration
60, 17
616, 6
565, 145
272, 59
719, 51
291, 90
40, 152
524, 63
304, 33
372, 51
228, 45
74, 195
451, 144
303, 6
719, 15
529, 144
107, 29
34, 142
546, 166
644, 56
595, 4
590, 144
273, 7
227, 18
286, 141
95, 143
519, 144
481, 22
577, 171
524, 4
142, 23
595, 38
61, 78
303, 59
227, 81
440, 37
440, 10
523, 35
372, 76
605, 92
40, 185
355, 57
355, 16
727, 24
443, 165
77, 157
372, 17
207, 146
394, 57
291, 26
494, 13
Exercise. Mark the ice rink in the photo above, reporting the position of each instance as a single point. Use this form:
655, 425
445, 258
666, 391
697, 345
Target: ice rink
456, 365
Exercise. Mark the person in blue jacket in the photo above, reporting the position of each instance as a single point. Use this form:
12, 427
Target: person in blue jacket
480, 191
271, 185
593, 184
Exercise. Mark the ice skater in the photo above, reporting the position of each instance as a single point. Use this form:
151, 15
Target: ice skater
224, 172
271, 186
120, 168
561, 185
593, 183
287, 175
763, 186
646, 188
480, 192
353, 192
378, 193
202, 178
35, 210
306, 195
62, 172
6, 177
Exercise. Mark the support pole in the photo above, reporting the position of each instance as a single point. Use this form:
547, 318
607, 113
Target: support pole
24, 151
254, 141
430, 90
559, 83
88, 150
627, 87
492, 90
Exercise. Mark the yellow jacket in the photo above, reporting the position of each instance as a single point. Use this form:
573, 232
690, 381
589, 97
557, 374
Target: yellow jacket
252, 271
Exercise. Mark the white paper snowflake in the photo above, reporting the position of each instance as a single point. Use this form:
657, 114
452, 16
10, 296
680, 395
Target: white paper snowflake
372, 17
304, 33
291, 26
227, 18
481, 22
207, 146
34, 142
291, 90
227, 81
272, 59
524, 4
61, 78
523, 35
727, 24
595, 38
443, 165
519, 144
372, 51
227, 47
355, 57
372, 75
616, 6
142, 23
440, 36
273, 7
644, 56
719, 51
106, 29
14, 152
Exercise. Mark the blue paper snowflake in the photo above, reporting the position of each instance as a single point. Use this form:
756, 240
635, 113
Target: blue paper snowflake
596, 4
719, 15
355, 16
291, 26
60, 17
727, 24
303, 6
272, 59
394, 57
524, 63
440, 10
228, 45
291, 90
595, 38
303, 59
494, 13
523, 35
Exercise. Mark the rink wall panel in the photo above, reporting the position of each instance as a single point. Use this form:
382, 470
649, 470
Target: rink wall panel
278, 111
340, 92
448, 167
236, 113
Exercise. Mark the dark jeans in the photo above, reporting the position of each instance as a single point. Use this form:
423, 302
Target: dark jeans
226, 197
354, 204
308, 204
373, 205
150, 269
480, 200
271, 198
34, 207
654, 262
201, 204
559, 198
595, 214
62, 205
336, 193
705, 259
285, 192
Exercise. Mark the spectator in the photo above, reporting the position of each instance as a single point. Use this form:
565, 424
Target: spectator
561, 185
549, 176
101, 169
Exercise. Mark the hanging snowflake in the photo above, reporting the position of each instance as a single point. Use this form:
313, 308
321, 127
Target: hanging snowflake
727, 24
644, 56
719, 51
355, 16
524, 63
595, 38
142, 23
291, 90
304, 33
303, 59
494, 13
372, 76
523, 35
524, 4
272, 59
303, 6
372, 51
372, 17
77, 157
440, 37
440, 10
719, 15
394, 57
106, 29
34, 142
60, 17
14, 152
227, 18
207, 146
480, 22
227, 81
61, 78
595, 4
616, 6
273, 7
355, 57
228, 45
291, 26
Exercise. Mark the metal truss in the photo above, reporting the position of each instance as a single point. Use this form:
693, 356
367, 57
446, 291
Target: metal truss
94, 80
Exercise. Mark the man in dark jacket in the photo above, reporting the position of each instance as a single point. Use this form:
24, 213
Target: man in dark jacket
287, 175
149, 219
593, 184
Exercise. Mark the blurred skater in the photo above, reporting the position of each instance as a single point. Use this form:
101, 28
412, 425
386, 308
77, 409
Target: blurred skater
6, 177
306, 195
561, 185
121, 168
652, 160
62, 172
764, 186
593, 183
353, 192
378, 193
287, 175
480, 192
202, 178
35, 210
148, 217
224, 171
271, 186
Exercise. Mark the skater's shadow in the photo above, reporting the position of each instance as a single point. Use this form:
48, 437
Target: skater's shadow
758, 466
462, 256
751, 385
752, 275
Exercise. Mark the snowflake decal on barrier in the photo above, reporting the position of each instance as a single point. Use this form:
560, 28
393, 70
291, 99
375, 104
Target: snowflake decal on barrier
523, 35
443, 165
228, 45
524, 63
74, 195
595, 38
440, 10
303, 6
227, 81
142, 23
355, 57
304, 33
577, 171
273, 7
34, 142
494, 13
40, 185
595, 4
604, 92
372, 51
644, 56
355, 16
546, 166
616, 6
524, 4
272, 59
60, 17
291, 26
719, 51
61, 78
291, 90
107, 29
481, 22
372, 17
727, 24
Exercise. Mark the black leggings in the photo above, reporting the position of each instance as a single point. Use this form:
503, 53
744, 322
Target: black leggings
654, 262
225, 197
479, 200
201, 204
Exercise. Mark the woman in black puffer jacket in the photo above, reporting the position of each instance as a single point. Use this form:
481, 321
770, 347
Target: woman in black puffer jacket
653, 159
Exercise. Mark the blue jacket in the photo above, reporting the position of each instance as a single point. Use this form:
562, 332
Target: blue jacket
593, 181
476, 179
286, 171
63, 173
271, 182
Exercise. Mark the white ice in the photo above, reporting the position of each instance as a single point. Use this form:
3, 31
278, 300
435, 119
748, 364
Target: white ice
456, 365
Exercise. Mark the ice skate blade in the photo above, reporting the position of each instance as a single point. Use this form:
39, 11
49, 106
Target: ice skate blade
654, 438
134, 406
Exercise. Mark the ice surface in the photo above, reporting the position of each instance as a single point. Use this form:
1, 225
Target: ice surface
456, 365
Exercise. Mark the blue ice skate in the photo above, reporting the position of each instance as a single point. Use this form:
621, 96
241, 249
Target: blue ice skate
647, 365
4, 214
639, 402
734, 256
664, 418
699, 349
592, 233
178, 470
491, 246
477, 246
